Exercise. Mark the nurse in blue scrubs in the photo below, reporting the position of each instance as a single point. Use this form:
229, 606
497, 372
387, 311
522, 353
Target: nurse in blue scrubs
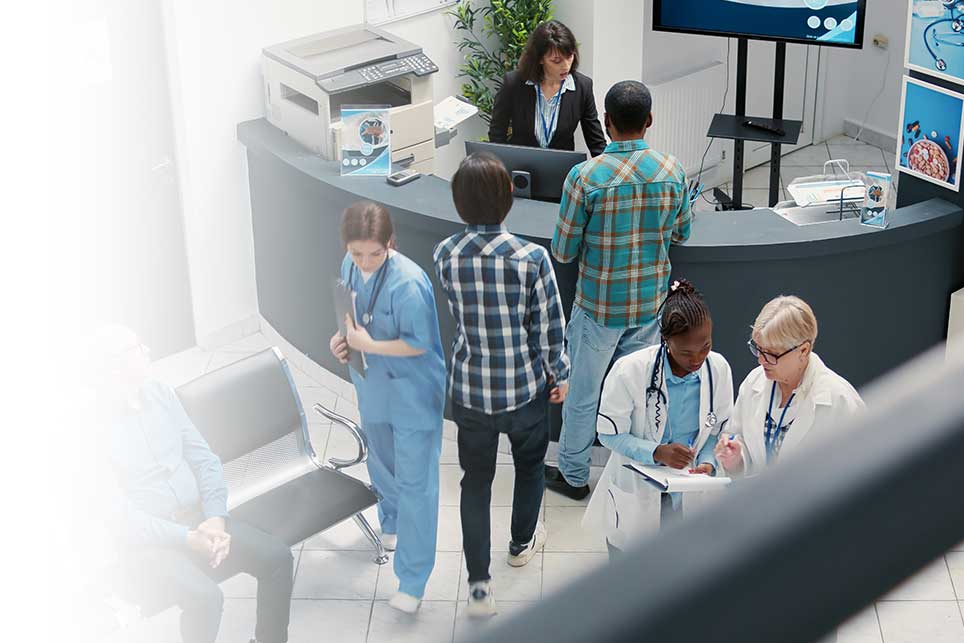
401, 395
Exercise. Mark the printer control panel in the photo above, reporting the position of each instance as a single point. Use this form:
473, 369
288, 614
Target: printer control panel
418, 64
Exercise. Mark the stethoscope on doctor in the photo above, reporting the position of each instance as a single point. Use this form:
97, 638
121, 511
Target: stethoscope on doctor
955, 39
379, 277
657, 382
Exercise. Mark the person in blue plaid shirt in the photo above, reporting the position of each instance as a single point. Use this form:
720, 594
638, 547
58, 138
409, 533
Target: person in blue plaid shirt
619, 214
508, 363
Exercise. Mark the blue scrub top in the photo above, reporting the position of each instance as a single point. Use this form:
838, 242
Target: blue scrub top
684, 406
684, 413
400, 390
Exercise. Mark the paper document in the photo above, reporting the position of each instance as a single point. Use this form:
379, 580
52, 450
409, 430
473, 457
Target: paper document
819, 192
345, 305
670, 480
452, 111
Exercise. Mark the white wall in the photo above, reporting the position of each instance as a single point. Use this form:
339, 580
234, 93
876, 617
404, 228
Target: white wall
214, 49
433, 32
854, 78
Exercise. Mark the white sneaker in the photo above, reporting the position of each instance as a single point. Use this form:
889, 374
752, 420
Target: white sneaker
389, 541
481, 602
519, 555
405, 603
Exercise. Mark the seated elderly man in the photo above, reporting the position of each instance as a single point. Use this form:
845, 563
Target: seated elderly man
177, 538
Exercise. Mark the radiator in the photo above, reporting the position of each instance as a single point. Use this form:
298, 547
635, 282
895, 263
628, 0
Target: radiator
683, 106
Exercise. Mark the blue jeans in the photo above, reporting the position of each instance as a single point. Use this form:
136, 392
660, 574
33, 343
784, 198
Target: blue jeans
592, 350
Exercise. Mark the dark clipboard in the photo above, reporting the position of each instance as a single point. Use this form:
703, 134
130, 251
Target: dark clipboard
345, 305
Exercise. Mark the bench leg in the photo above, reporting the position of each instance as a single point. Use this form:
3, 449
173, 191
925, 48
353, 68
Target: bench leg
380, 556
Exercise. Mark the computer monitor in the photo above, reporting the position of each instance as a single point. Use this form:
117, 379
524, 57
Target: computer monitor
547, 168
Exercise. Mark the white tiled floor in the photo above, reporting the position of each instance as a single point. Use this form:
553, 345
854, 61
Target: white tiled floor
806, 162
341, 595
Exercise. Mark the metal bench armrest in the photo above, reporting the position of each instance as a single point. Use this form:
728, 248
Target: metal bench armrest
356, 432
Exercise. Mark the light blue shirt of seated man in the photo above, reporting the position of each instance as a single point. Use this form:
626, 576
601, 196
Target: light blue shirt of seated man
165, 468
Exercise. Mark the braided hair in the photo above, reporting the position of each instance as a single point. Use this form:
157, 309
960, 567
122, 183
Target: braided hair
683, 310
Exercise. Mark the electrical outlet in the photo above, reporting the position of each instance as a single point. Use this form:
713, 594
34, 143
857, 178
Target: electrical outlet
722, 155
881, 41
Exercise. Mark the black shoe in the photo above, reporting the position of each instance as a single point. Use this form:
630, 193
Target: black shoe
556, 482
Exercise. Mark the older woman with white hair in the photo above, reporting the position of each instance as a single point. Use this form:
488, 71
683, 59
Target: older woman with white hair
791, 399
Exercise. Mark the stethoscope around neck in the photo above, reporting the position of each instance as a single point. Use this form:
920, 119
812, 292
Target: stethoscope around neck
657, 382
379, 278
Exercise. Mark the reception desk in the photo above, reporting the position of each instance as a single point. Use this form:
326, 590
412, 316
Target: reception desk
881, 296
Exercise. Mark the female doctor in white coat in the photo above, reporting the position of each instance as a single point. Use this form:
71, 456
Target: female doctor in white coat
791, 399
665, 404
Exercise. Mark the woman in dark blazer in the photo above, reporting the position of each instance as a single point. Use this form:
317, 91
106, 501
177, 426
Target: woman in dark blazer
541, 103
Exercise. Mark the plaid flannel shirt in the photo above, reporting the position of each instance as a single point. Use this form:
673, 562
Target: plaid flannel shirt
510, 326
619, 214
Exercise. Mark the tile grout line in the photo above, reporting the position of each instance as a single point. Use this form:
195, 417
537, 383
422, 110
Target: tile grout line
880, 627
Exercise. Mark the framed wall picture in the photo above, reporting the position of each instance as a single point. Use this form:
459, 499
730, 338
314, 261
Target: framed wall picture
935, 39
931, 123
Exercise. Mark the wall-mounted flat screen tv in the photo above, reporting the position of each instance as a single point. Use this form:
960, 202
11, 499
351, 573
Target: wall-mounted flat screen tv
835, 23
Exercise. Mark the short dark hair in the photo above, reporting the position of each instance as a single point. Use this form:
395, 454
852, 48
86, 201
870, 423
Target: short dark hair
629, 105
482, 190
367, 221
550, 35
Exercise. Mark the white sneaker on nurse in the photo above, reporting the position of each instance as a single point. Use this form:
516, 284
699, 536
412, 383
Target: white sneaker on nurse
481, 602
405, 603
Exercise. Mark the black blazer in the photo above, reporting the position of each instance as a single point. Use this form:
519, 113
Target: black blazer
515, 105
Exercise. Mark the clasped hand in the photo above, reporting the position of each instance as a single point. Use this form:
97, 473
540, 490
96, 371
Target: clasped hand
211, 540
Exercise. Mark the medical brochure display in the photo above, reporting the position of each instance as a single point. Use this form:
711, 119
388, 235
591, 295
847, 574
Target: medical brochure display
366, 141
880, 193
931, 119
935, 38
837, 23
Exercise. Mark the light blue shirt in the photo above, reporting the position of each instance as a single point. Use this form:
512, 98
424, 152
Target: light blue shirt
547, 110
164, 466
683, 426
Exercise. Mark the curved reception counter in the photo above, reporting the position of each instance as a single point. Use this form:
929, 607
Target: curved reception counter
881, 296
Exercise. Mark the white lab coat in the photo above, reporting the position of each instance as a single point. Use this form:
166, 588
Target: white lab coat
624, 506
823, 401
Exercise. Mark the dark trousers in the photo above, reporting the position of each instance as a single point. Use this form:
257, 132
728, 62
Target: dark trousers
528, 431
157, 578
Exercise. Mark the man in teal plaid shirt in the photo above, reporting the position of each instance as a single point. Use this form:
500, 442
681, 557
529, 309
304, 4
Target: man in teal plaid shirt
619, 214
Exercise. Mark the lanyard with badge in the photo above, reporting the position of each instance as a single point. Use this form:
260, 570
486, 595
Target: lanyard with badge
366, 317
774, 434
547, 126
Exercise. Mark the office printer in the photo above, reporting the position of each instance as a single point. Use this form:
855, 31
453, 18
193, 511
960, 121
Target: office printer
308, 80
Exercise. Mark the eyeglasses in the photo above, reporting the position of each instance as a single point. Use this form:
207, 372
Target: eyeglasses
769, 358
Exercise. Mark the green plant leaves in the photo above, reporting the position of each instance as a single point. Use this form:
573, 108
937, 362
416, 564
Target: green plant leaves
493, 34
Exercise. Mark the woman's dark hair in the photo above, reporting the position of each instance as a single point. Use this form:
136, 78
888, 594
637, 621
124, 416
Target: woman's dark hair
683, 310
482, 190
550, 35
367, 221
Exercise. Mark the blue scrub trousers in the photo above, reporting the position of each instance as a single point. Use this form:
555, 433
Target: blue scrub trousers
403, 463
592, 349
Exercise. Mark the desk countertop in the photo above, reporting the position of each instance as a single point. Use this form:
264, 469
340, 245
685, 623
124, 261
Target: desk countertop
717, 236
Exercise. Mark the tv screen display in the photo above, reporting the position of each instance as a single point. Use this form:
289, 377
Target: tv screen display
836, 23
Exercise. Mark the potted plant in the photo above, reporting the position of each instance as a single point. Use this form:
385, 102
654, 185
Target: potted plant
493, 35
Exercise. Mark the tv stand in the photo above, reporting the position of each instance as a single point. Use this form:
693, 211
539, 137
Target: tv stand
777, 131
